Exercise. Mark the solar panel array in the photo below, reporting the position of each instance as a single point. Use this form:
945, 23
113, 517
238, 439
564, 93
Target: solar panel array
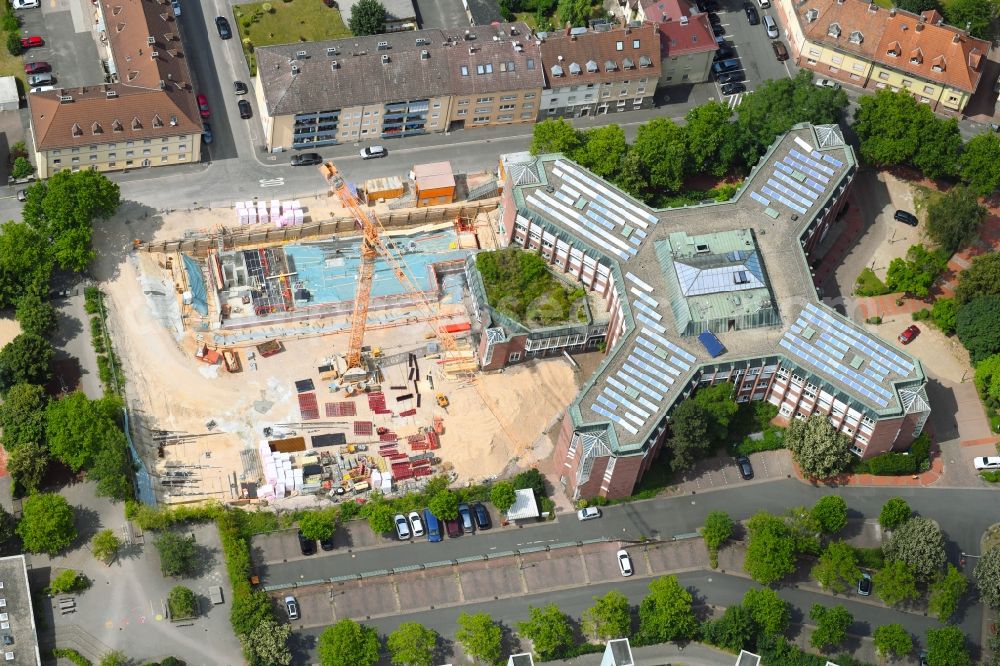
798, 180
839, 351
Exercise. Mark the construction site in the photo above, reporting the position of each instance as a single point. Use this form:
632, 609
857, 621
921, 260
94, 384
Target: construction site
320, 359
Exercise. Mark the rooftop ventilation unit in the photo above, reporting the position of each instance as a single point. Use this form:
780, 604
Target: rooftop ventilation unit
684, 19
383, 46
334, 64
701, 249
332, 52
422, 41
425, 54
111, 93
385, 58
151, 40
301, 55
154, 54
65, 98
295, 69
173, 121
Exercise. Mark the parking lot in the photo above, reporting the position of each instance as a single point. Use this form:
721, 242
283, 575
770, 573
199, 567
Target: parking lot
488, 578
70, 46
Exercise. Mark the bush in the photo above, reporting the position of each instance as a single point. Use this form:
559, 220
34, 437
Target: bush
68, 580
870, 558
772, 440
993, 475
874, 320
14, 44
182, 603
92, 300
22, 168
920, 315
72, 655
888, 464
10, 22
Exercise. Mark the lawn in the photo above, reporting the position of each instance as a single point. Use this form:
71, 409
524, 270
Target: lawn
289, 21
11, 65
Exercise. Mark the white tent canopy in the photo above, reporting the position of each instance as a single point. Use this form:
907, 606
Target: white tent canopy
524, 507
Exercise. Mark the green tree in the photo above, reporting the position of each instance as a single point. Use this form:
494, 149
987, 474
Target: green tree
380, 517
22, 168
574, 12
919, 543
479, 636
978, 165
769, 611
25, 360
68, 581
720, 408
8, 527
182, 602
47, 524
28, 464
805, 530
63, 209
36, 315
689, 435
711, 144
830, 513
982, 278
267, 643
946, 591
319, 525
603, 148
249, 611
946, 647
178, 554
978, 327
549, 631
78, 429
944, 313
820, 451
987, 576
894, 513
114, 658
915, 274
831, 626
770, 554
367, 18
112, 467
348, 643
444, 505
837, 568
918, 6
733, 631
105, 545
896, 583
503, 495
953, 218
975, 14
891, 126
937, 152
665, 613
412, 644
660, 146
22, 415
717, 529
609, 617
893, 641
555, 136
25, 262
988, 380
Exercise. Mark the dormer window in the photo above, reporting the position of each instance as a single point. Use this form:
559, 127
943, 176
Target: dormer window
628, 64
77, 130
894, 50
644, 61
610, 66
856, 37
96, 129
157, 121
557, 70
116, 126
812, 15
939, 64
136, 123
916, 57
575, 68
834, 30
591, 66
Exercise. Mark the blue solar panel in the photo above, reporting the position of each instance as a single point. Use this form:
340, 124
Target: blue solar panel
830, 159
756, 197
811, 162
639, 305
616, 419
637, 387
650, 322
796, 185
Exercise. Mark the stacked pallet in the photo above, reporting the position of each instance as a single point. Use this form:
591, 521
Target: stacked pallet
340, 409
363, 428
308, 406
376, 402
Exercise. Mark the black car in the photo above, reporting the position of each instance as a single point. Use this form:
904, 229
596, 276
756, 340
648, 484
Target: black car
865, 585
752, 16
306, 159
708, 6
206, 134
723, 53
746, 469
733, 88
245, 110
240, 87
307, 546
222, 25
732, 77
482, 516
326, 544
905, 217
714, 19
718, 30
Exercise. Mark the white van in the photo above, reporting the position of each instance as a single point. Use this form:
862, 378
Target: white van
42, 89
771, 27
764, 4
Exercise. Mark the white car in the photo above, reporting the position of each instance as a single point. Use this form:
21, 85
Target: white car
990, 462
416, 524
26, 4
292, 607
402, 527
624, 563
589, 513
373, 152
827, 83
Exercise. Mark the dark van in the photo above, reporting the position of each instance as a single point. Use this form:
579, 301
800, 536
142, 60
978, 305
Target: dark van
432, 525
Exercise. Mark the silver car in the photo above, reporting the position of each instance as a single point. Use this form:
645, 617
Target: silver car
292, 607
402, 527
43, 79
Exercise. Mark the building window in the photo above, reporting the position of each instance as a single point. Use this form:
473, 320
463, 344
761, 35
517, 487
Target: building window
528, 105
507, 98
928, 90
75, 160
529, 96
907, 83
145, 143
463, 102
527, 115
483, 110
93, 158
814, 52
836, 60
462, 112
484, 100
884, 76
164, 158
607, 93
57, 161
464, 70
437, 105
111, 165
619, 46
858, 67
481, 119
635, 43
531, 63
515, 356
505, 118
146, 151
57, 152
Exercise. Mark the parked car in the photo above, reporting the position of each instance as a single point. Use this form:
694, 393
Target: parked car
416, 524
307, 546
222, 25
26, 4
176, 6
731, 77
465, 515
589, 513
37, 67
373, 152
723, 53
42, 79
865, 585
206, 133
718, 30
827, 83
733, 88
905, 217
780, 52
714, 19
292, 607
433, 526
240, 88
624, 563
42, 89
32, 42
402, 527
22, 195
203, 106
908, 335
246, 111
771, 27
986, 462
726, 66
482, 516
752, 16
306, 159
454, 528
326, 544
746, 469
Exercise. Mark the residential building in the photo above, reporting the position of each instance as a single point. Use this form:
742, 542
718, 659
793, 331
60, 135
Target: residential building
17, 619
600, 70
400, 15
738, 271
872, 47
687, 43
399, 84
146, 116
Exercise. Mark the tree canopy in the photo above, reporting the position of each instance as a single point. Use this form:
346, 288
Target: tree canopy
837, 569
978, 165
978, 327
503, 495
946, 647
711, 141
609, 617
916, 273
953, 218
25, 262
47, 524
574, 12
412, 644
267, 643
367, 18
660, 148
549, 631
347, 643
78, 429
830, 513
982, 278
820, 451
831, 626
479, 636
892, 640
602, 149
919, 543
178, 554
444, 505
25, 360
665, 613
946, 592
890, 126
717, 529
894, 513
769, 611
770, 554
895, 583
555, 136
689, 435
976, 14
988, 380
35, 314
987, 575
318, 524
22, 415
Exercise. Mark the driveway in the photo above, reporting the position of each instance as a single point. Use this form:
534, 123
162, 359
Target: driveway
70, 47
446, 14
74, 350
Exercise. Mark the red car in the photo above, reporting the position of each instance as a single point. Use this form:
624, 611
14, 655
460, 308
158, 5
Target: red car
37, 67
32, 42
907, 336
203, 106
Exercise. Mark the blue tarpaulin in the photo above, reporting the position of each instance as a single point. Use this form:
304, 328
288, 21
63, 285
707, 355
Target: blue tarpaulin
196, 283
711, 344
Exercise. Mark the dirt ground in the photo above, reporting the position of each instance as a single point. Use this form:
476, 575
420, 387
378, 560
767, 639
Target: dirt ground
169, 390
9, 329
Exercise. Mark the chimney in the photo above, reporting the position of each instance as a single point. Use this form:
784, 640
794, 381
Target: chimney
892, 11
956, 38
920, 26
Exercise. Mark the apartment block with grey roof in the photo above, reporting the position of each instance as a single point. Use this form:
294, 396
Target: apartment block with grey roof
17, 619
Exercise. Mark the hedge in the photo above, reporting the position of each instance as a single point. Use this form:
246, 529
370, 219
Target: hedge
72, 655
